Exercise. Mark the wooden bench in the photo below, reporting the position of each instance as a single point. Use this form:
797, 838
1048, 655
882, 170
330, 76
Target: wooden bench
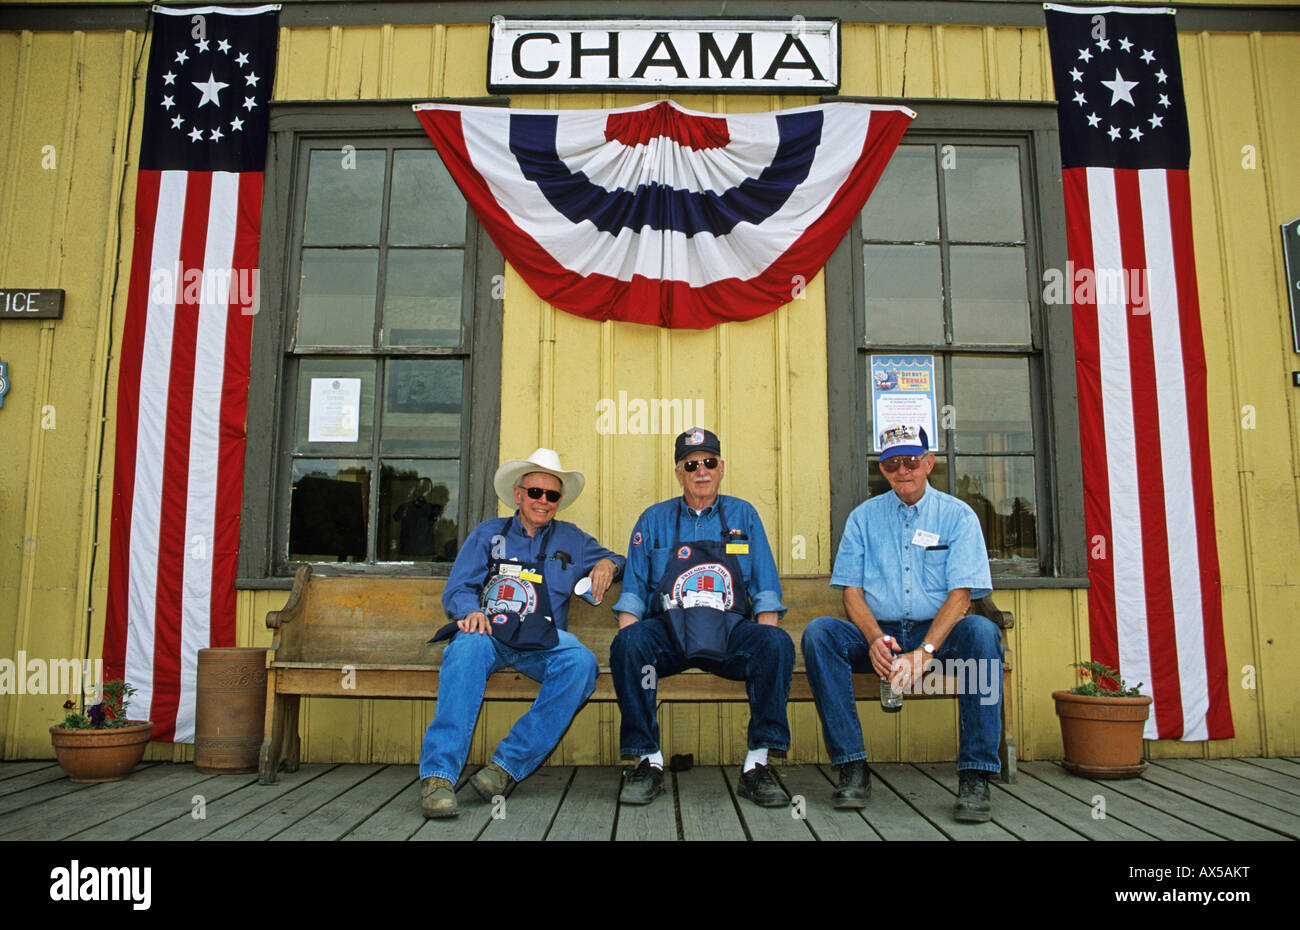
355, 636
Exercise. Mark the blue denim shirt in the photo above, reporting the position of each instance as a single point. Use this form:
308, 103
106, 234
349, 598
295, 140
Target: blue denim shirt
651, 548
469, 571
902, 578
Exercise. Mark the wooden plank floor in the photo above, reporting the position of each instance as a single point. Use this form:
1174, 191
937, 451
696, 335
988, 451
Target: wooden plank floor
1176, 799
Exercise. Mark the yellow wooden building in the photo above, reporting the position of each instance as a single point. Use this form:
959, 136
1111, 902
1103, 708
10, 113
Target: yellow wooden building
783, 391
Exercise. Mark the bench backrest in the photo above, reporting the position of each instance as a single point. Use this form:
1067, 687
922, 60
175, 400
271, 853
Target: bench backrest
337, 619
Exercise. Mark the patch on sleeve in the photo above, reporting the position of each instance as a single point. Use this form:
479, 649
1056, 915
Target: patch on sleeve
636, 538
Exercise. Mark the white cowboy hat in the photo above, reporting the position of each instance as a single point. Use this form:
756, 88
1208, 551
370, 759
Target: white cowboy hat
543, 460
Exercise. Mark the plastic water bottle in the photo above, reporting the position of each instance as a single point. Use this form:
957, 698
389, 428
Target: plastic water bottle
891, 701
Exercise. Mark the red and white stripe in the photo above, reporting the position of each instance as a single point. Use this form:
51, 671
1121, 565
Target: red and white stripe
1154, 597
182, 397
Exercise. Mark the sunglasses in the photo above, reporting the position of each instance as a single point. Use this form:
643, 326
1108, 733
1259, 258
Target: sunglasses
710, 463
912, 462
536, 494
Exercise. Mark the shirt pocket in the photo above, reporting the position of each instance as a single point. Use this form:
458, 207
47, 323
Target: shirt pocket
935, 569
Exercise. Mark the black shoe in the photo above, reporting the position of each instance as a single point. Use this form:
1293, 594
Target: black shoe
644, 784
972, 797
760, 786
855, 786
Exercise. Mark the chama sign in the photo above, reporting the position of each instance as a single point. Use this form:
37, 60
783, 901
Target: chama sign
781, 55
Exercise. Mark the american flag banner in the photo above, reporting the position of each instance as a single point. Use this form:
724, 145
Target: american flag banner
660, 215
183, 376
1154, 603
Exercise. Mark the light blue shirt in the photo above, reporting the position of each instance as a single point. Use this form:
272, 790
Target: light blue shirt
651, 548
509, 539
907, 558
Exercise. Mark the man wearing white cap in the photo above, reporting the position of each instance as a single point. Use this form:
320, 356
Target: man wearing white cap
910, 561
508, 598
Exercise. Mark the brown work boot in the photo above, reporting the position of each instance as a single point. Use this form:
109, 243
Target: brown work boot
491, 781
437, 797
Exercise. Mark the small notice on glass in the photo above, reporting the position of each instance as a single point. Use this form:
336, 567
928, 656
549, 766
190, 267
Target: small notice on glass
335, 403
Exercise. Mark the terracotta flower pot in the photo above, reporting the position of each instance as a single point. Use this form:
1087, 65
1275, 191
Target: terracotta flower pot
101, 755
1102, 735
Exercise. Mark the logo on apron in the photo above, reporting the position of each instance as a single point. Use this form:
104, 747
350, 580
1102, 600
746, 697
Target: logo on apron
513, 594
684, 552
705, 585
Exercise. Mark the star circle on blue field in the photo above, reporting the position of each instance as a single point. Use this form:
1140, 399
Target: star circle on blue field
1108, 78
229, 86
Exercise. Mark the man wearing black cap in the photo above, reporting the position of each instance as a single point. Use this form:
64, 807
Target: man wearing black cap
699, 574
909, 562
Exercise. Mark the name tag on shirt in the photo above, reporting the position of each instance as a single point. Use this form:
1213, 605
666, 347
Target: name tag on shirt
533, 576
925, 540
513, 571
741, 548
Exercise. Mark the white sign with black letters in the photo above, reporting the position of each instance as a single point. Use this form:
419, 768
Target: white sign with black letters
778, 55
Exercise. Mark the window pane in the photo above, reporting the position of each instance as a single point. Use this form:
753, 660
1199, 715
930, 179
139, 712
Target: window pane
870, 426
422, 297
989, 300
904, 293
345, 195
991, 404
1001, 492
427, 207
328, 507
422, 412
335, 425
418, 503
904, 207
879, 484
982, 194
336, 300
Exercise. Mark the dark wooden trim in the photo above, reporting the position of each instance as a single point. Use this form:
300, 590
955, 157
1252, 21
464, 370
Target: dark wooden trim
264, 383
304, 13
842, 372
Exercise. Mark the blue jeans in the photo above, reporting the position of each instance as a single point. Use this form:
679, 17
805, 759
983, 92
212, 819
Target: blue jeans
833, 649
567, 674
761, 656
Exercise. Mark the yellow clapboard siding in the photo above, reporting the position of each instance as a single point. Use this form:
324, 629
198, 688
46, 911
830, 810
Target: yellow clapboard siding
762, 384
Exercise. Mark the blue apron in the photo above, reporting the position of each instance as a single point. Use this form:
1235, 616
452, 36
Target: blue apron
702, 593
517, 604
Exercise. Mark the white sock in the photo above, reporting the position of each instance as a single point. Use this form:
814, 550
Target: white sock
755, 757
656, 759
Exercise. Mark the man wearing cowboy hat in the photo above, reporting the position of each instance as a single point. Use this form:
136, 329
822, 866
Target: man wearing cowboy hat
699, 573
508, 597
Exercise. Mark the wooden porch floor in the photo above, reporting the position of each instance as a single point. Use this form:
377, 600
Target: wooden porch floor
1176, 799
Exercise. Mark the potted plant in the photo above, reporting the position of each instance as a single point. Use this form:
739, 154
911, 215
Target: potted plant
1101, 724
101, 744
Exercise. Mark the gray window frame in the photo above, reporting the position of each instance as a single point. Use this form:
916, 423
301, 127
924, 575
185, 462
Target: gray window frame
1054, 401
295, 128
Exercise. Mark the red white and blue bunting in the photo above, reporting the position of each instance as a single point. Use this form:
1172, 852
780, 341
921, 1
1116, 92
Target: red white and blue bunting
656, 214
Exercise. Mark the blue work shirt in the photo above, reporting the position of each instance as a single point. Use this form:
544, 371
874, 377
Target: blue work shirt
651, 548
469, 571
906, 577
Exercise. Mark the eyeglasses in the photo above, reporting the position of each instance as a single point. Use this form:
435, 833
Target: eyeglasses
710, 463
536, 494
911, 462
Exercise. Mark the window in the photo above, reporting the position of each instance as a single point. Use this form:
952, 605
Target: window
386, 330
946, 260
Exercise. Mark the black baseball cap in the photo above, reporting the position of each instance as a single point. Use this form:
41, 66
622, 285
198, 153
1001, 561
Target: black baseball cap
696, 439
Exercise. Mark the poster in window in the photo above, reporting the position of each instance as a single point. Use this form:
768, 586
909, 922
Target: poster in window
902, 393
335, 405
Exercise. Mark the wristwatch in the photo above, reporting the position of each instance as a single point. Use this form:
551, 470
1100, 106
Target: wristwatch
928, 648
